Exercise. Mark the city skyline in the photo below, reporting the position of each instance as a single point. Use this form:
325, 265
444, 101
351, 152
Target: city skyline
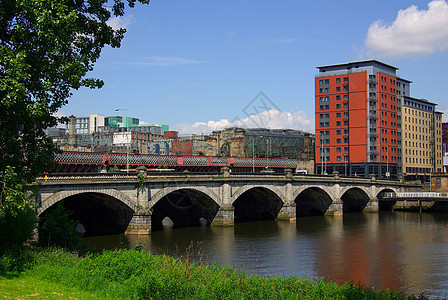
200, 66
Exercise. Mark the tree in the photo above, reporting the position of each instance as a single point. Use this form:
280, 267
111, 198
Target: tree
46, 49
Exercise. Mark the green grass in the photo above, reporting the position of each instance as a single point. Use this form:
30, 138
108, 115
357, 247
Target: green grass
129, 274
31, 287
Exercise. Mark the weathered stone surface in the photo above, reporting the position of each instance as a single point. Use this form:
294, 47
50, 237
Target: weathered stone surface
224, 217
283, 193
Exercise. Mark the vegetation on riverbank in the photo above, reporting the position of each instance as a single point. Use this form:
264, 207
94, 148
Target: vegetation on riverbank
132, 274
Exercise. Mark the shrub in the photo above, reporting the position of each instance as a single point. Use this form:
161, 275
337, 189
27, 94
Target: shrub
17, 213
58, 230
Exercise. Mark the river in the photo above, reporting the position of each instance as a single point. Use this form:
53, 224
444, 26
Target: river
401, 251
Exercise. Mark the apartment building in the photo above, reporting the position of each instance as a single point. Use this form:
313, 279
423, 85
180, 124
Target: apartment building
422, 137
359, 109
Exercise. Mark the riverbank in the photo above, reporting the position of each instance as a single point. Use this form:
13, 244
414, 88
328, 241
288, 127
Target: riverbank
130, 274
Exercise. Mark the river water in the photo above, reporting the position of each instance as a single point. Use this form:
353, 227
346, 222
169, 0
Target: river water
401, 251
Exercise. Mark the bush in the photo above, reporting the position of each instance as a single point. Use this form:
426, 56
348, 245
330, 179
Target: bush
17, 213
58, 230
16, 227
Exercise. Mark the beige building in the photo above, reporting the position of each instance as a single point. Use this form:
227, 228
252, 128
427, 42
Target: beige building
421, 137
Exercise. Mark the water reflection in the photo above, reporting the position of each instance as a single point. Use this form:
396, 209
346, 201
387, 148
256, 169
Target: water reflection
400, 251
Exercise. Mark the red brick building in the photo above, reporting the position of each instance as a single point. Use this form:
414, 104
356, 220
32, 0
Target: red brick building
357, 115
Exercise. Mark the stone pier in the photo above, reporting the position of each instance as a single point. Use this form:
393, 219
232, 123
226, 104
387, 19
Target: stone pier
287, 212
335, 209
225, 216
140, 223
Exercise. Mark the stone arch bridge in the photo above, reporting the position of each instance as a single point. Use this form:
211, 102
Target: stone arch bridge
108, 203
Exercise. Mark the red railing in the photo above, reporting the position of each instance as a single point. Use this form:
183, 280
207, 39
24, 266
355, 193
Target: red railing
148, 160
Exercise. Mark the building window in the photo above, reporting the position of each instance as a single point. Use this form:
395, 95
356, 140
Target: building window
338, 80
338, 89
338, 106
338, 158
338, 97
338, 141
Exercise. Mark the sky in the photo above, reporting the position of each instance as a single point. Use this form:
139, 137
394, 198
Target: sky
203, 65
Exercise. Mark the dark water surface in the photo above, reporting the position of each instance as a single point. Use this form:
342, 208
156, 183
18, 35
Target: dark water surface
401, 251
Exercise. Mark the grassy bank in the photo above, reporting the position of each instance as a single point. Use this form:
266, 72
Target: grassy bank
128, 274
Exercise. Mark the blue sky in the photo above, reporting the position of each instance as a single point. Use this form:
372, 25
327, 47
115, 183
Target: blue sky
201, 65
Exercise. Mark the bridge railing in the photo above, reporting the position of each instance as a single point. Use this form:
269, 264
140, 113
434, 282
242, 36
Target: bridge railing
416, 195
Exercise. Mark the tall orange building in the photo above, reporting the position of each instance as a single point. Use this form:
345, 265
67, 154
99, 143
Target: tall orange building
358, 119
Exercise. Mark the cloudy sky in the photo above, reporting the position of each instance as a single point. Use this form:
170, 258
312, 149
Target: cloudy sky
203, 65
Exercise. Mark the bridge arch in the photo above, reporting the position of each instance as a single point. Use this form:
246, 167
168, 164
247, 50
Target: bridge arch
383, 204
61, 195
168, 190
253, 203
100, 211
312, 200
354, 199
184, 207
246, 188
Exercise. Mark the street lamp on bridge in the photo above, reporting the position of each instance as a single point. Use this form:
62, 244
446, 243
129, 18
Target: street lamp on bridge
127, 144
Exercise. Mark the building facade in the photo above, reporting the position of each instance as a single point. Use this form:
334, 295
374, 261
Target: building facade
359, 109
422, 137
107, 134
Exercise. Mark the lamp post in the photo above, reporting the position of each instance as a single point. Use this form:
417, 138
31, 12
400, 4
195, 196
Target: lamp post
127, 144
345, 164
321, 154
267, 153
253, 155
387, 161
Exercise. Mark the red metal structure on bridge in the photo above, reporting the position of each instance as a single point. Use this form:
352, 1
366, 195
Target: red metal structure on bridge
81, 162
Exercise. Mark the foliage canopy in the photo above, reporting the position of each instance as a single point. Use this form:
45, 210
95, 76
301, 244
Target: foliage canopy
46, 49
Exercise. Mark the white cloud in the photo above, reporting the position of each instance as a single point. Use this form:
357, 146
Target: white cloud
120, 22
414, 32
272, 119
445, 115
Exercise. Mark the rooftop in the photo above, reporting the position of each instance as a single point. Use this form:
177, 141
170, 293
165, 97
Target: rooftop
349, 64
